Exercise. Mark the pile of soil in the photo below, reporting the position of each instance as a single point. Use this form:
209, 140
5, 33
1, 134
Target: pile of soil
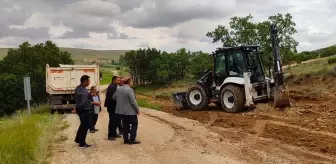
309, 124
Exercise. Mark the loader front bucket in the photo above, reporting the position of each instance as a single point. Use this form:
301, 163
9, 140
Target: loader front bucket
180, 100
281, 97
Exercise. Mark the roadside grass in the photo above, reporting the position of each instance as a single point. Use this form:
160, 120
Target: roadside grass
165, 92
107, 76
145, 103
27, 139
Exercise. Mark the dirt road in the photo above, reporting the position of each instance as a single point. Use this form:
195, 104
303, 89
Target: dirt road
219, 138
178, 140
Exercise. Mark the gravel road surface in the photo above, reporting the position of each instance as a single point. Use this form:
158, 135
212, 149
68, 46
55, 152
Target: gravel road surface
165, 139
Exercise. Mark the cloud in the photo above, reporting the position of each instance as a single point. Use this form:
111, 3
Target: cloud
120, 36
164, 24
167, 13
143, 45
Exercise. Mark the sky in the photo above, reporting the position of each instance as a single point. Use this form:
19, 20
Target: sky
164, 24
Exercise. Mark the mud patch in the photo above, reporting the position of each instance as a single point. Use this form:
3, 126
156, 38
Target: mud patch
235, 123
297, 137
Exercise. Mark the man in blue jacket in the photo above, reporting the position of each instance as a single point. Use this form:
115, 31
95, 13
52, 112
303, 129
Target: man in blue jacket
84, 109
110, 104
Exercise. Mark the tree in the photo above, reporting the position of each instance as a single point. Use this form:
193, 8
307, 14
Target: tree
328, 51
243, 31
199, 62
148, 66
30, 61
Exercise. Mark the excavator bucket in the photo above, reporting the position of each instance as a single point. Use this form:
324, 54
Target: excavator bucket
281, 97
180, 100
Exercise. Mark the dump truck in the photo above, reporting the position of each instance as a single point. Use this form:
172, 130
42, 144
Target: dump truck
237, 80
61, 83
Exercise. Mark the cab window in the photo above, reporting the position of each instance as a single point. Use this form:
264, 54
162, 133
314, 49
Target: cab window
220, 64
236, 64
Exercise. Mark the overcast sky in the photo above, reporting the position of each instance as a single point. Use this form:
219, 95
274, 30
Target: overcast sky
164, 24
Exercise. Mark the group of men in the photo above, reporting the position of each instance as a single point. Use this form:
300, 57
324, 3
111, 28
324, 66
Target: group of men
121, 105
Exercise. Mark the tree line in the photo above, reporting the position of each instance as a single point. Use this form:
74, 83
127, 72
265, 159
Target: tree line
151, 65
27, 60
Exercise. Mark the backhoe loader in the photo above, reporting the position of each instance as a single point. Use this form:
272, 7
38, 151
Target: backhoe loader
238, 80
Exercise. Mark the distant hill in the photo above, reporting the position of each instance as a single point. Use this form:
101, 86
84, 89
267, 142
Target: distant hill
81, 54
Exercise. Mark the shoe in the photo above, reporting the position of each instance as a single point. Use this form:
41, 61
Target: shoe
84, 146
134, 142
126, 142
92, 131
77, 142
96, 130
111, 138
117, 136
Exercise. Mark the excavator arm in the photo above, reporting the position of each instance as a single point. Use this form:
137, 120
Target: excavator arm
280, 92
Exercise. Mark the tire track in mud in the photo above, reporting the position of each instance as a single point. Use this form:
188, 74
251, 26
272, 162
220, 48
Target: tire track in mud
262, 139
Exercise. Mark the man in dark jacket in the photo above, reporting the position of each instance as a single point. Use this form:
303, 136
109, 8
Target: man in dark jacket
110, 104
83, 109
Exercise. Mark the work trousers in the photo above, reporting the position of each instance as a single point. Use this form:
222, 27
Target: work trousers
114, 123
85, 124
130, 125
94, 118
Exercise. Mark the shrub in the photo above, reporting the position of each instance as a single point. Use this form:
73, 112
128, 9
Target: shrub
332, 60
30, 61
11, 94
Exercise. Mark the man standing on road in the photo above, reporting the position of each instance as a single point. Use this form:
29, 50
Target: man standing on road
83, 109
110, 104
128, 108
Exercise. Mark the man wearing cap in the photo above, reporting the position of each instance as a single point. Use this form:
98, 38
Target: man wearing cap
128, 108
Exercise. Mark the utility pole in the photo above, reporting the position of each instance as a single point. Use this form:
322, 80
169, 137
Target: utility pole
27, 91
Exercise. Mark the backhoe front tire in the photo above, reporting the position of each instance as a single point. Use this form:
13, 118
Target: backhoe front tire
233, 99
197, 98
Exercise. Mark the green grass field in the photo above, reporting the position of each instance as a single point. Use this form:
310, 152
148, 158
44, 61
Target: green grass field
27, 139
165, 92
107, 76
81, 54
320, 67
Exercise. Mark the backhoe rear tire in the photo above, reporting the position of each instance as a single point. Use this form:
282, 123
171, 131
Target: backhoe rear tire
197, 98
233, 99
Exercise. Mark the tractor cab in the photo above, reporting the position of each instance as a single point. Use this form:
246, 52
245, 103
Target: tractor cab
234, 61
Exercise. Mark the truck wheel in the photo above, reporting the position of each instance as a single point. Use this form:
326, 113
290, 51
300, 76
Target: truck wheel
233, 98
52, 111
197, 98
60, 111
